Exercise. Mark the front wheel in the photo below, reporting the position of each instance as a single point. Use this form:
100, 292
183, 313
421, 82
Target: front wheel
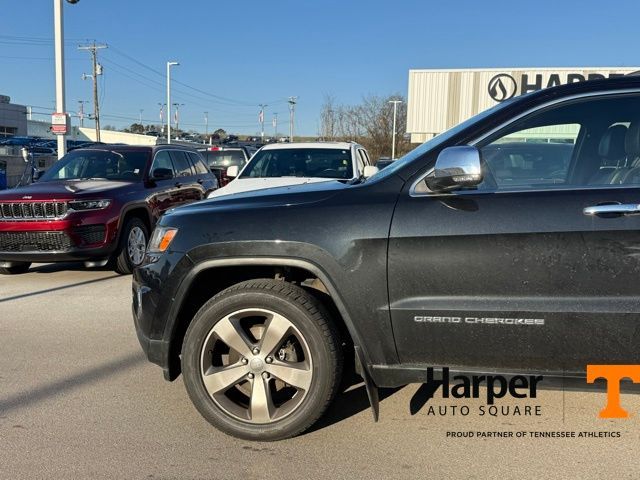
14, 269
132, 247
262, 360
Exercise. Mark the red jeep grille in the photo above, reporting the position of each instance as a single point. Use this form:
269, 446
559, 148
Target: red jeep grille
32, 210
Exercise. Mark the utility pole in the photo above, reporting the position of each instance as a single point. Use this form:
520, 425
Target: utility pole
81, 112
292, 110
169, 65
206, 124
275, 126
141, 110
261, 118
393, 142
97, 70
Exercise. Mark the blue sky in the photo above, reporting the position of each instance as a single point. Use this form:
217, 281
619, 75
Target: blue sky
242, 53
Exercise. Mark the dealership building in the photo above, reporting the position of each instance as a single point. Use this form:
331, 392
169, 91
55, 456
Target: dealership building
13, 118
440, 99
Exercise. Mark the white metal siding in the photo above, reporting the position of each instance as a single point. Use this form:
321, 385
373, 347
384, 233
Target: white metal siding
440, 99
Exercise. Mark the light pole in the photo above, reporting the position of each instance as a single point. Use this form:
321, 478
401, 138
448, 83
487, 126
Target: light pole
58, 33
393, 141
261, 118
169, 65
162, 105
176, 117
206, 124
292, 110
275, 127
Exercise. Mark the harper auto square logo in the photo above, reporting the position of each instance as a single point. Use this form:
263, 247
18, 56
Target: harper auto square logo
462, 386
613, 374
503, 86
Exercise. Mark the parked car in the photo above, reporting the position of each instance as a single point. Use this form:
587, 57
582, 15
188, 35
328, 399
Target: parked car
384, 162
20, 141
439, 260
219, 159
98, 204
277, 165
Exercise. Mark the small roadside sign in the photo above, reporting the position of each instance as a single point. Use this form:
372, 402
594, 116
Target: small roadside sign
60, 123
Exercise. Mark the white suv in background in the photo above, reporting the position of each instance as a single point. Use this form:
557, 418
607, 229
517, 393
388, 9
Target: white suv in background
279, 165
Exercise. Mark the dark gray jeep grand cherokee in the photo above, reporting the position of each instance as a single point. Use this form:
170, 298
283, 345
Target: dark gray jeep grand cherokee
478, 251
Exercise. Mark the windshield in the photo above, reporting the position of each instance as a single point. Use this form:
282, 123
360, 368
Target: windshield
439, 140
224, 158
300, 162
103, 164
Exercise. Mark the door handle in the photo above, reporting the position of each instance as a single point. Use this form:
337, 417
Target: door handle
200, 181
615, 209
178, 184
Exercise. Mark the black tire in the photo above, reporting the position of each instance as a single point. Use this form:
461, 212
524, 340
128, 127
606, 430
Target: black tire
22, 267
311, 320
122, 261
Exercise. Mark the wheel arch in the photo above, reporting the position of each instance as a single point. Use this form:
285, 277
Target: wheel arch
227, 272
138, 211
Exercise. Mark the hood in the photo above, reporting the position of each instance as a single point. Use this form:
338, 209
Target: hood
287, 196
62, 190
240, 185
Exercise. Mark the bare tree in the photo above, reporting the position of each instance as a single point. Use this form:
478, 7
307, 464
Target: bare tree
369, 123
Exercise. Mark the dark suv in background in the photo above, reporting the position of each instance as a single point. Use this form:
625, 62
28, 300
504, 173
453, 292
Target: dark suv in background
98, 205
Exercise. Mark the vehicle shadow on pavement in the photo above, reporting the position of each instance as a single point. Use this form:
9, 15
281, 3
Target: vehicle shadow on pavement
55, 289
351, 401
68, 266
38, 394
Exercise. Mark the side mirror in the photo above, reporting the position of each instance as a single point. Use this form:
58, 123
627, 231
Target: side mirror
456, 167
162, 174
370, 170
232, 171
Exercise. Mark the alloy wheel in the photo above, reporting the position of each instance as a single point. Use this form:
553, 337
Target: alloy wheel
256, 365
136, 245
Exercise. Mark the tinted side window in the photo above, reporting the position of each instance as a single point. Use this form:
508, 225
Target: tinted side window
196, 160
582, 143
162, 160
182, 164
533, 156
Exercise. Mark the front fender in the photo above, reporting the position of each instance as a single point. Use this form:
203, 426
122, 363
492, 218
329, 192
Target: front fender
367, 320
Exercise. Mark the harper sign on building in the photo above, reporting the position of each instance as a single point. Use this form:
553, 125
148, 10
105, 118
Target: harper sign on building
504, 86
440, 99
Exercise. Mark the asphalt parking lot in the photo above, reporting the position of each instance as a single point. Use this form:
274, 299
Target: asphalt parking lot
79, 400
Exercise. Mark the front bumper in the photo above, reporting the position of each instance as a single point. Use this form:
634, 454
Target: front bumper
154, 289
84, 238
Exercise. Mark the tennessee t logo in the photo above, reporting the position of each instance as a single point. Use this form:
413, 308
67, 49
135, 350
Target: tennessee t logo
613, 374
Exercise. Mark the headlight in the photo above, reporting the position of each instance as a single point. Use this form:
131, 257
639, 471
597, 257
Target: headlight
82, 205
161, 239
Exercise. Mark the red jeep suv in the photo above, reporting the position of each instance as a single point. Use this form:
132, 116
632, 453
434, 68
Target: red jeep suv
98, 205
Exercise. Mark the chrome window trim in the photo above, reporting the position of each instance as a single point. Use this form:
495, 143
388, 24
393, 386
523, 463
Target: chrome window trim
474, 142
